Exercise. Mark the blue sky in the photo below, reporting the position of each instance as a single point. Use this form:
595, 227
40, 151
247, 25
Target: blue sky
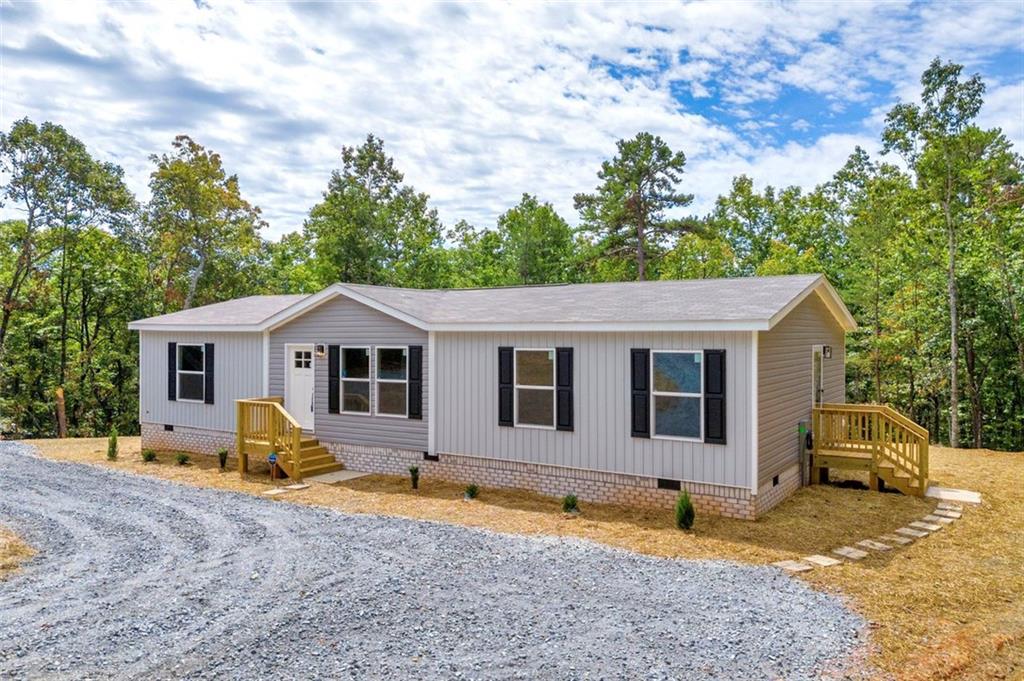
479, 103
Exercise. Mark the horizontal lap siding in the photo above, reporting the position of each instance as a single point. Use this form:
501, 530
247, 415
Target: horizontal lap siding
238, 373
342, 321
467, 412
784, 374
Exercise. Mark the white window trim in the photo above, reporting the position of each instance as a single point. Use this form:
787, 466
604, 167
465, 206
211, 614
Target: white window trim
657, 393
379, 380
516, 386
341, 379
178, 371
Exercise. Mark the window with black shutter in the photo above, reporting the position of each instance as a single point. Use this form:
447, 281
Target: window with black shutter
416, 381
640, 392
505, 389
714, 396
563, 389
333, 378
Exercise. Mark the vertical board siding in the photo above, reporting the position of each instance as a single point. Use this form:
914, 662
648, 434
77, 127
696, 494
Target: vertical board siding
342, 321
784, 375
238, 374
467, 410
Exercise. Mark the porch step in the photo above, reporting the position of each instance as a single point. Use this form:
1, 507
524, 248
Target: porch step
320, 469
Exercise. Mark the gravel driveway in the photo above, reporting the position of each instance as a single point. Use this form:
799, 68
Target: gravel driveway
138, 577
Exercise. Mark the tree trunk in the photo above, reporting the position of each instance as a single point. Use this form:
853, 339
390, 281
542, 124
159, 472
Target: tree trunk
193, 283
62, 419
954, 322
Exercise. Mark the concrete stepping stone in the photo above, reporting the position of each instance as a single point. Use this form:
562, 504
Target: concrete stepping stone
821, 561
850, 552
298, 485
793, 566
911, 532
896, 539
955, 515
276, 491
938, 519
927, 527
874, 545
964, 496
946, 506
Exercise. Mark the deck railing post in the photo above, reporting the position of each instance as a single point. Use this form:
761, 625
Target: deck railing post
240, 437
271, 426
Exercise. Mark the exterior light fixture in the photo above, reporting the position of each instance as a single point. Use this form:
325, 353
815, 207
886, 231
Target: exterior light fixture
320, 351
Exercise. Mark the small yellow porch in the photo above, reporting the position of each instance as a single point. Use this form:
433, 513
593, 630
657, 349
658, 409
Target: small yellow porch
263, 426
891, 448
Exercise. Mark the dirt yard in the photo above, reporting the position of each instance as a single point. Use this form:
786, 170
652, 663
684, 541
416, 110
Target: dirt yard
948, 606
13, 552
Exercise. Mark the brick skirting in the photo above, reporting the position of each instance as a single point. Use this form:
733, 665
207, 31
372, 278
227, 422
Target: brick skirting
186, 439
769, 495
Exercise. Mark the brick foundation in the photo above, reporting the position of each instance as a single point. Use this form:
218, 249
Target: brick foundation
186, 439
769, 496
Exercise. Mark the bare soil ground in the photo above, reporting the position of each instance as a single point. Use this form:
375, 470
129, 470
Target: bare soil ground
949, 606
13, 551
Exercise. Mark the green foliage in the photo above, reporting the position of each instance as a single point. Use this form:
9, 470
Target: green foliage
148, 455
112, 444
414, 476
182, 459
472, 491
684, 511
625, 218
222, 458
570, 504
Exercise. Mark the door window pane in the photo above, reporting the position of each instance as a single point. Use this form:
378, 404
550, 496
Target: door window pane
536, 407
677, 372
677, 416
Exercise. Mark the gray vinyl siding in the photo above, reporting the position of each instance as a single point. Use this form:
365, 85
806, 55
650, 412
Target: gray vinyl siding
784, 380
238, 373
342, 321
467, 411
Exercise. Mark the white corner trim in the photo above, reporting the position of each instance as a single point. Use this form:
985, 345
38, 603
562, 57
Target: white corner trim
754, 381
431, 392
266, 364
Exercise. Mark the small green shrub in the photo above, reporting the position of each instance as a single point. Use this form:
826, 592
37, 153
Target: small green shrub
222, 454
112, 444
182, 458
148, 455
414, 476
684, 511
570, 504
472, 491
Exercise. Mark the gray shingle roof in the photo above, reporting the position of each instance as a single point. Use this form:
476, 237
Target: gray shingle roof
251, 310
691, 300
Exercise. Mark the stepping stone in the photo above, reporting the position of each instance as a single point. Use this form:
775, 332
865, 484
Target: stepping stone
850, 552
911, 532
896, 539
298, 485
949, 494
946, 506
274, 492
937, 519
822, 561
955, 515
927, 527
793, 566
874, 545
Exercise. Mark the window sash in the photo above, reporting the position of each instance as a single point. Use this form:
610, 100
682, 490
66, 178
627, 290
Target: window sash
400, 381
699, 437
345, 379
517, 387
178, 371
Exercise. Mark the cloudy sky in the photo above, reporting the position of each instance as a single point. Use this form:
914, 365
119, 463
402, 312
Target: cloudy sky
479, 103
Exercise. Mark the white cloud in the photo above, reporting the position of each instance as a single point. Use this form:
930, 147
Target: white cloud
478, 103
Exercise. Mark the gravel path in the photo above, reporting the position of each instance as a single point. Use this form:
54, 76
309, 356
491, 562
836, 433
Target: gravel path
138, 577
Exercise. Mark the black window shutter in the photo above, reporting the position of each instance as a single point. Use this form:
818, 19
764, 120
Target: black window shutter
208, 373
640, 391
172, 371
505, 388
563, 388
416, 381
333, 378
714, 397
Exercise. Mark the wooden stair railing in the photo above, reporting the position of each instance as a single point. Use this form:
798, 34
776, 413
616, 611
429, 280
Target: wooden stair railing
263, 426
894, 447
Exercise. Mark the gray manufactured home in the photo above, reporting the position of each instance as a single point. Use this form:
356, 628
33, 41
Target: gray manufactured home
617, 392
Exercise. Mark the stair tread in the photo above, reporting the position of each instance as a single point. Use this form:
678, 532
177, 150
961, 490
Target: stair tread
323, 468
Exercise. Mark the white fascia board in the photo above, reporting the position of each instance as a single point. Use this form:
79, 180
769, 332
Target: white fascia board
734, 325
306, 304
195, 328
829, 296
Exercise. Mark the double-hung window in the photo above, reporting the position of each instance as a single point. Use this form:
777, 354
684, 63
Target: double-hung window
191, 373
678, 385
355, 380
392, 381
535, 387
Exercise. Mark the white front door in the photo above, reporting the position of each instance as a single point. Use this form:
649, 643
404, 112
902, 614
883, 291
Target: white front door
300, 383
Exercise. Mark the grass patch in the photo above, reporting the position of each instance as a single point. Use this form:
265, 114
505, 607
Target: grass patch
949, 606
13, 552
